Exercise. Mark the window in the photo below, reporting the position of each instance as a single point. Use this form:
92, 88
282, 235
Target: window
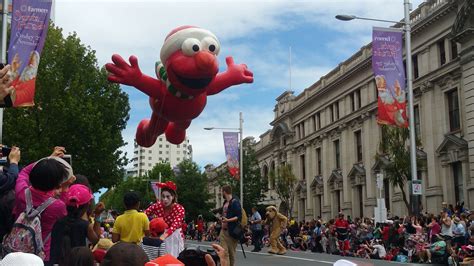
453, 109
352, 102
414, 59
160, 139
358, 142
177, 159
167, 146
160, 152
336, 108
454, 50
149, 151
442, 53
416, 111
313, 120
337, 154
318, 158
302, 129
331, 112
150, 158
149, 164
303, 167
161, 159
359, 100
177, 146
167, 152
318, 120
160, 146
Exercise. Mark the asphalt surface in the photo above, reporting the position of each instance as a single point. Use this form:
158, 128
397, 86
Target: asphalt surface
294, 258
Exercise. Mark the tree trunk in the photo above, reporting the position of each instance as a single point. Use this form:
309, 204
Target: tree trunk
405, 199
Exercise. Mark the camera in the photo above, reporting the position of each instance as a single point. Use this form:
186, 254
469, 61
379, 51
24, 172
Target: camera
67, 158
6, 151
194, 256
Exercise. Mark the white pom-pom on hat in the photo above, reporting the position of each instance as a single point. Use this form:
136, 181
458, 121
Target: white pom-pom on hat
176, 37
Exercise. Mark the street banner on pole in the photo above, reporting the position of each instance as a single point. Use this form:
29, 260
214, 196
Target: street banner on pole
387, 64
29, 27
156, 190
417, 188
231, 145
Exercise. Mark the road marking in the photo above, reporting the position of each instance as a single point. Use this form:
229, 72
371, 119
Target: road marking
272, 255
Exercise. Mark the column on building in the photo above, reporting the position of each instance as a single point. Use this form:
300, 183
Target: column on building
310, 173
463, 32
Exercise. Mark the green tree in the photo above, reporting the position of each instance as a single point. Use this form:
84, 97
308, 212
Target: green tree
165, 170
76, 107
192, 190
285, 186
394, 146
254, 185
113, 198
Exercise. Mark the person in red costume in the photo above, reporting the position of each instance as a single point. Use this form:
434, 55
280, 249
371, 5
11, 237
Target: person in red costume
342, 231
187, 74
173, 214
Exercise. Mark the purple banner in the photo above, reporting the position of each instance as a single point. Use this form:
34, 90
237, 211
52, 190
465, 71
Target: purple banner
231, 145
387, 64
30, 21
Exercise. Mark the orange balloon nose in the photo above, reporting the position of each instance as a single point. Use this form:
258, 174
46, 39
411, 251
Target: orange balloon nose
206, 62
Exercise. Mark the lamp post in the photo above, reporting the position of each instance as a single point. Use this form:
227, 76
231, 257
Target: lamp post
240, 129
407, 27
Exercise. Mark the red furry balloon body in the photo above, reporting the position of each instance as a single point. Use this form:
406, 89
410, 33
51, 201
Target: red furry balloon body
187, 74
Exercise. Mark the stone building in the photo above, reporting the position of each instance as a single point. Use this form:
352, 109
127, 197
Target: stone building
329, 133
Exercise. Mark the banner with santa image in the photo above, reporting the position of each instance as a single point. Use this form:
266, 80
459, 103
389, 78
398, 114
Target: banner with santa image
30, 21
387, 64
231, 145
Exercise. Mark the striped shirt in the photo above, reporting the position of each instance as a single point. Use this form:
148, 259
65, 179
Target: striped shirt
153, 247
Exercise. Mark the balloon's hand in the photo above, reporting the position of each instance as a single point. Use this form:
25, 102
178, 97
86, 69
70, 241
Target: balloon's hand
122, 72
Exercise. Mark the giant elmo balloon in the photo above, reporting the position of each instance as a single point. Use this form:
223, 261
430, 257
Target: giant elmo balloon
187, 74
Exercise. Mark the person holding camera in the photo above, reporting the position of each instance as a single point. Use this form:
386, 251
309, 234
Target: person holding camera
7, 189
232, 213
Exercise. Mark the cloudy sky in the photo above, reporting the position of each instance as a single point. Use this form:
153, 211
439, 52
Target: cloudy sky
257, 33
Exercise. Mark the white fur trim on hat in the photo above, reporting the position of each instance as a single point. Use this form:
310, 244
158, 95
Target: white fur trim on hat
173, 43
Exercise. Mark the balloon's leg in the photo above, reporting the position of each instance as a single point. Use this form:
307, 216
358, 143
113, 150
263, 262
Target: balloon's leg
149, 129
176, 131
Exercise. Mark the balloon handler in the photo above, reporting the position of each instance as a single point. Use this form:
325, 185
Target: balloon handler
186, 75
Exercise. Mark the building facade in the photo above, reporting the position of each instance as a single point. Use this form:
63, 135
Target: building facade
144, 159
329, 133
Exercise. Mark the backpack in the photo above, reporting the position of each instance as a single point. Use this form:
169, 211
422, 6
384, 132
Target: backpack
244, 220
26, 232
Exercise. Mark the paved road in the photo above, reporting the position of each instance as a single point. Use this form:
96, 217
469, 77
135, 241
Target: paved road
294, 258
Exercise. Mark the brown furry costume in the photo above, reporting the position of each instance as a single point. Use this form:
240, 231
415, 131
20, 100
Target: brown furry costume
277, 222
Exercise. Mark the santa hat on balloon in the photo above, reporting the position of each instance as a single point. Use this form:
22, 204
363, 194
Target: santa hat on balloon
177, 36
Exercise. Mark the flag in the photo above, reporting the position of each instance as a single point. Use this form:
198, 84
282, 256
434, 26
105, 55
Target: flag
30, 21
389, 73
231, 145
156, 190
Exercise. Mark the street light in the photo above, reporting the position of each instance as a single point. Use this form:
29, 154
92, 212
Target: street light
240, 129
407, 27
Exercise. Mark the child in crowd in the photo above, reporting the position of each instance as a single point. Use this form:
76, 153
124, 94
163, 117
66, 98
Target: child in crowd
153, 246
72, 231
132, 225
